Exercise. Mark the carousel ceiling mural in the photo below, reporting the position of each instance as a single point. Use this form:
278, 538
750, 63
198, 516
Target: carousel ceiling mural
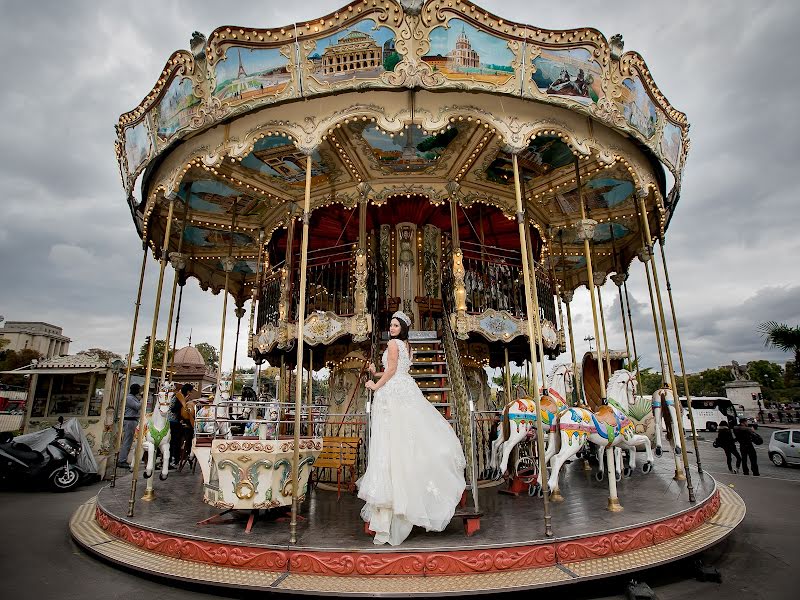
454, 92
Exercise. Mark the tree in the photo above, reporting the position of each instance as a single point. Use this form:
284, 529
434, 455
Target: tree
710, 382
101, 354
783, 337
209, 354
158, 353
651, 381
14, 360
390, 61
767, 374
516, 379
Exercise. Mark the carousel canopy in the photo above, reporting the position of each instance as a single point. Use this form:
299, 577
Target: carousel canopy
411, 105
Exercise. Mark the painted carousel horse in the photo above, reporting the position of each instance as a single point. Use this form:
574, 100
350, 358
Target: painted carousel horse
519, 420
663, 397
561, 381
157, 435
607, 427
214, 417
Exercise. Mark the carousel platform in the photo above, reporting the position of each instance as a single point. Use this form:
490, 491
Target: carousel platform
334, 555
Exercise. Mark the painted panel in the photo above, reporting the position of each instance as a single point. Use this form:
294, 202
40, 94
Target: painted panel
464, 53
639, 110
242, 266
362, 51
177, 107
542, 156
407, 151
277, 158
209, 195
671, 143
138, 145
247, 74
568, 73
201, 236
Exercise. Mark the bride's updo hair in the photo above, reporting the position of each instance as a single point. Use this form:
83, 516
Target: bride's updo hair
403, 335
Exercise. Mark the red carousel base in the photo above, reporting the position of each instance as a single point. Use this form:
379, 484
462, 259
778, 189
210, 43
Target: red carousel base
334, 552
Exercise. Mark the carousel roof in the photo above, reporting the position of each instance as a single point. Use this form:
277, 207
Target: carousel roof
451, 92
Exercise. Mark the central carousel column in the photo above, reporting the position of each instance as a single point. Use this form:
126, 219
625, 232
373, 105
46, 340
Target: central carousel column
459, 288
585, 232
532, 310
362, 318
178, 263
301, 312
149, 371
649, 250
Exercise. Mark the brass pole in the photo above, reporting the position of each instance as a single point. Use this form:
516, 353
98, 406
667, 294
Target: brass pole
128, 367
680, 356
603, 326
149, 371
667, 352
532, 311
181, 283
507, 373
586, 232
255, 296
568, 295
539, 341
177, 265
310, 392
228, 264
301, 311
633, 335
239, 311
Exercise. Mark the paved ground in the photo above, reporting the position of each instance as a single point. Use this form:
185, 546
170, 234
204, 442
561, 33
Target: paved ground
759, 561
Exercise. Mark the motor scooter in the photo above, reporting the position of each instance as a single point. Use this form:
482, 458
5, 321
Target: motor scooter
55, 466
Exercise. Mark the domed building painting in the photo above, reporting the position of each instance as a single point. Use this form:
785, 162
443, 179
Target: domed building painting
190, 367
463, 52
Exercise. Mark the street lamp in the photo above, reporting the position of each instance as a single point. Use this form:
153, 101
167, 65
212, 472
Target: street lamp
589, 339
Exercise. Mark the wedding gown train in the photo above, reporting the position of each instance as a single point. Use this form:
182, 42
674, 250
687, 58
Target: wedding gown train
415, 465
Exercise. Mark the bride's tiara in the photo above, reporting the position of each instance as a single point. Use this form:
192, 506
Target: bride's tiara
402, 317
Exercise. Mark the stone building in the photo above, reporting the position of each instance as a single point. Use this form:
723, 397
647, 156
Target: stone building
45, 338
354, 52
463, 55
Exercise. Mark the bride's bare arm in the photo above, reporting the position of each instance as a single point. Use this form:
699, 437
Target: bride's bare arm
391, 368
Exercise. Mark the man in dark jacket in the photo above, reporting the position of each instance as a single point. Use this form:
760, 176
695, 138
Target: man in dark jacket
130, 420
746, 438
728, 444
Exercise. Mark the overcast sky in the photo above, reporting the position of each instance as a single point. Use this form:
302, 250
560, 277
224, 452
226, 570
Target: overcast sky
70, 253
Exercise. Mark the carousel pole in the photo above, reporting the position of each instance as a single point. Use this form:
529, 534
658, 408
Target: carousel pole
680, 355
539, 342
532, 310
255, 295
507, 374
149, 494
227, 266
178, 263
301, 310
239, 312
633, 334
598, 283
181, 283
649, 250
128, 367
586, 232
567, 295
644, 257
310, 392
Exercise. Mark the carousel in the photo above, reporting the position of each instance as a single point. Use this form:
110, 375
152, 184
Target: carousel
430, 157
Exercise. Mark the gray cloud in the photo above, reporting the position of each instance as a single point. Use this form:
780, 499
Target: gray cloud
70, 254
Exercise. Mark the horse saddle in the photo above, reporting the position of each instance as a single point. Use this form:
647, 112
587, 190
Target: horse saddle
605, 414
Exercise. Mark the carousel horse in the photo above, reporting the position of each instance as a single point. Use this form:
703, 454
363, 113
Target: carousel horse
607, 427
157, 435
663, 397
214, 417
518, 421
562, 381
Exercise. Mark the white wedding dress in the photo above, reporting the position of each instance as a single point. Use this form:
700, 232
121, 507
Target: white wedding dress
415, 465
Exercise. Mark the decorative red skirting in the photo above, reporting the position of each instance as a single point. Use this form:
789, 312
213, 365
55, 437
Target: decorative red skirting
411, 563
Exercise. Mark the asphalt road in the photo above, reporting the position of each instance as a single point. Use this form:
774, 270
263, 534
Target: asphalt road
760, 560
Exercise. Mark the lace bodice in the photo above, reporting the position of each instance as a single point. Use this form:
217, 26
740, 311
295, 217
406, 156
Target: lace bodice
403, 359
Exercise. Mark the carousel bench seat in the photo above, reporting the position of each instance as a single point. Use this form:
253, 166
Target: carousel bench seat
339, 453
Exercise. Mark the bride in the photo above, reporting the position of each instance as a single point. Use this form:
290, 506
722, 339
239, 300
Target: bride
415, 465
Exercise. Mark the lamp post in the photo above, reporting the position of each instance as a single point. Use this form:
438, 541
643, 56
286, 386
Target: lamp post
589, 339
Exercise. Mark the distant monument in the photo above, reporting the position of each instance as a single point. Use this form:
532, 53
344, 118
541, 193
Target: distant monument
742, 391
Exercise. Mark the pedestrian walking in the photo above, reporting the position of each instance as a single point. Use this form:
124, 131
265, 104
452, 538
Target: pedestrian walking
726, 441
747, 439
129, 422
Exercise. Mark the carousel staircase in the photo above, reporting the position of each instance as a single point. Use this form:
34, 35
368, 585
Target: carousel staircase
429, 369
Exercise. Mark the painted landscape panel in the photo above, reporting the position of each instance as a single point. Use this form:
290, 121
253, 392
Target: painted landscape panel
208, 195
137, 146
638, 108
464, 53
409, 150
207, 238
542, 156
251, 73
671, 143
570, 73
177, 107
277, 158
362, 51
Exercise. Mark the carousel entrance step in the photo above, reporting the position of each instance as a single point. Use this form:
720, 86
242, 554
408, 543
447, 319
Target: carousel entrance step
432, 363
430, 376
434, 389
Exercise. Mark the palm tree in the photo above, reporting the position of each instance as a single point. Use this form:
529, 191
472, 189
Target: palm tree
779, 335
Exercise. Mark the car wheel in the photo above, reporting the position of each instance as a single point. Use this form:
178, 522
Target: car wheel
711, 427
777, 459
62, 480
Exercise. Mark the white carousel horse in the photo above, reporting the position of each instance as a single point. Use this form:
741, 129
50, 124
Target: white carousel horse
519, 420
663, 397
157, 434
562, 380
607, 427
214, 418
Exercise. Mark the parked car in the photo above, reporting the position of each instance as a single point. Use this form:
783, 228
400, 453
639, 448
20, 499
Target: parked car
784, 447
